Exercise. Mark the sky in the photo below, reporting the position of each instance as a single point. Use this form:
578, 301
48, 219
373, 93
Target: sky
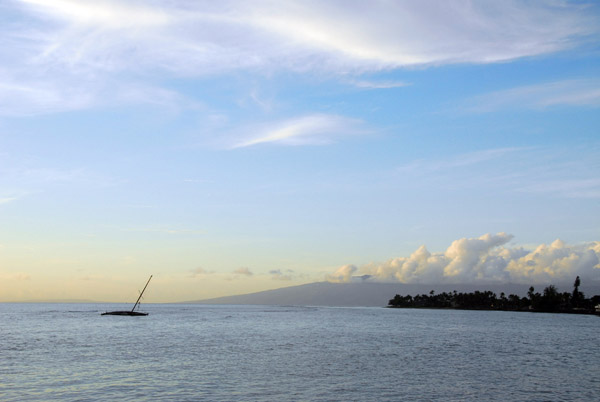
231, 147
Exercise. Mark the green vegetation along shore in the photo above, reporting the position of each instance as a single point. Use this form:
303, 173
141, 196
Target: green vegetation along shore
550, 300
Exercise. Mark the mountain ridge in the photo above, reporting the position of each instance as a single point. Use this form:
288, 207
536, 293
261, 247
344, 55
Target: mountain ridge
369, 294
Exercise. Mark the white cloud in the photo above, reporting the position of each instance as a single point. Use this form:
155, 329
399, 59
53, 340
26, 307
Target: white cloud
105, 14
278, 275
197, 272
581, 92
156, 96
6, 200
568, 188
68, 54
312, 129
243, 271
342, 274
556, 172
379, 84
484, 260
459, 161
23, 97
380, 34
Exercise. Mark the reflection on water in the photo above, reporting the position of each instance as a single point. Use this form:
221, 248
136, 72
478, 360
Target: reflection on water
266, 353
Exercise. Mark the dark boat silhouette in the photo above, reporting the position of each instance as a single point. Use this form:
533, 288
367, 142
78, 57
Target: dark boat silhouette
132, 312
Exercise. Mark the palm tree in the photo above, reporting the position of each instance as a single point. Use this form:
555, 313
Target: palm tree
576, 293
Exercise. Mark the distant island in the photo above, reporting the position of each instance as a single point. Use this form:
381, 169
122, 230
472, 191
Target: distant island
550, 301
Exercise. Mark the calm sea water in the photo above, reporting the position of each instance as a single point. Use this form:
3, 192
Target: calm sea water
68, 352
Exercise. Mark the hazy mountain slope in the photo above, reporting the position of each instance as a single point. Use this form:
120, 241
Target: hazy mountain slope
366, 294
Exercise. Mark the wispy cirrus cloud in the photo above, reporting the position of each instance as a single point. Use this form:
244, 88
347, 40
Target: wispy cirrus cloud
534, 170
24, 97
375, 35
6, 200
579, 92
313, 129
392, 34
365, 84
68, 54
105, 14
458, 161
24, 178
27, 97
567, 187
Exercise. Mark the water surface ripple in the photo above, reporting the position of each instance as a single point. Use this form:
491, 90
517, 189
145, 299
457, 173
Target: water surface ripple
68, 352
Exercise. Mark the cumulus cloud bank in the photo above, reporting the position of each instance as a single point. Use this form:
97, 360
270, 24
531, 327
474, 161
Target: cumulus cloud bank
485, 259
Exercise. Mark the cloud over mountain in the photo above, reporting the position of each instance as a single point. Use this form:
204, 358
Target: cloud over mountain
486, 259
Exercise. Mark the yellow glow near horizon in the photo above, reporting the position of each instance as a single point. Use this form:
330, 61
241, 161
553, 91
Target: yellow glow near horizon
168, 288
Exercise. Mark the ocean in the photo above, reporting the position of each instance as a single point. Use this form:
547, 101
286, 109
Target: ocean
68, 352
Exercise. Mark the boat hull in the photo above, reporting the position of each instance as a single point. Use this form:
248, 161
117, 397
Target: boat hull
131, 313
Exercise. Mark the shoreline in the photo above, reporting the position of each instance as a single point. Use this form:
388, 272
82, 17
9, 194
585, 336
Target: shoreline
577, 312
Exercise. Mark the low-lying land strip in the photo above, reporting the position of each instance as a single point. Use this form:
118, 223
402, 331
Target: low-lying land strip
551, 300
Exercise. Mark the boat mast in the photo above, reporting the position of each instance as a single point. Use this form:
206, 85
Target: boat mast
138, 300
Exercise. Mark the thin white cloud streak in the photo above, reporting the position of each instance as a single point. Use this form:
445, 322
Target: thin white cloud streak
541, 171
26, 179
459, 161
486, 259
21, 179
379, 84
313, 129
156, 96
24, 97
573, 188
29, 97
6, 200
67, 54
392, 34
105, 14
581, 92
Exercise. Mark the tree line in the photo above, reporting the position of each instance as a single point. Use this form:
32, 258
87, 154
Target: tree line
550, 300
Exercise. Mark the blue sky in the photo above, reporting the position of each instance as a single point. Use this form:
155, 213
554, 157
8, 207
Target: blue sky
232, 147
